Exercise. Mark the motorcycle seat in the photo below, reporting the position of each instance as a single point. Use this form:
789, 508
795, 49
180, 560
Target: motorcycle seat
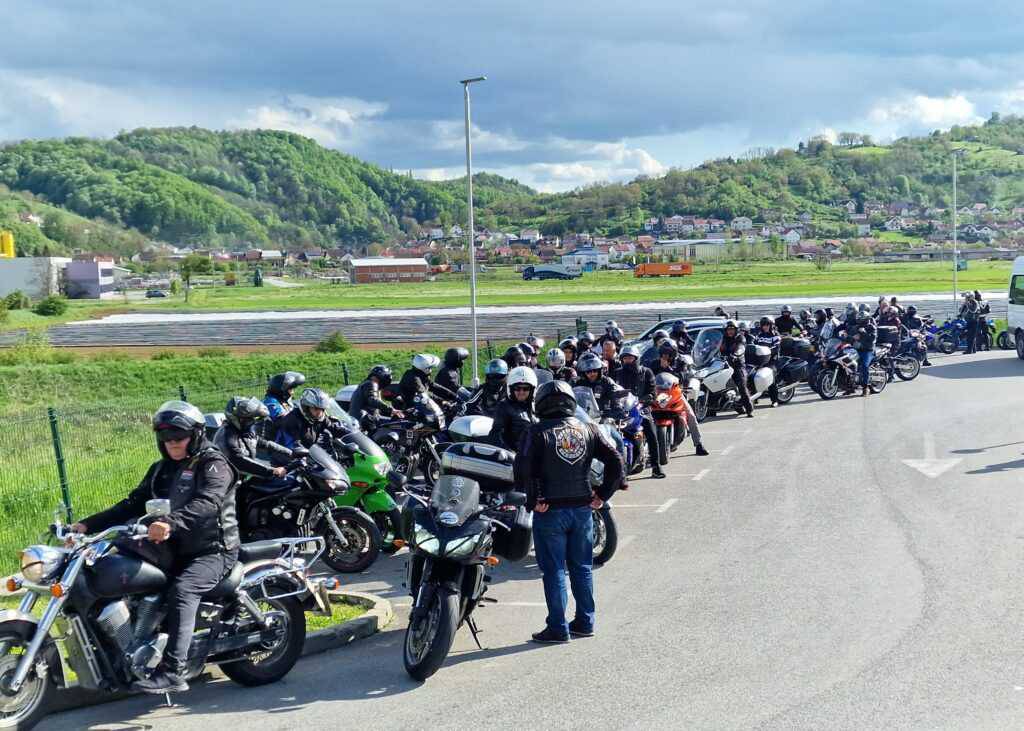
228, 584
259, 551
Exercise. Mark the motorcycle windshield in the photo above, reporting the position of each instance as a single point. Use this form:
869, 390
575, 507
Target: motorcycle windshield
454, 500
705, 349
428, 412
326, 466
336, 412
586, 403
834, 348
367, 446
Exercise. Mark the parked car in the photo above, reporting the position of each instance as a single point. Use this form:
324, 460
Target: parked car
694, 326
155, 293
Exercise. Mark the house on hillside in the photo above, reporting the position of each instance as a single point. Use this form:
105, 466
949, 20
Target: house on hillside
741, 223
791, 236
651, 224
530, 235
674, 224
850, 206
894, 224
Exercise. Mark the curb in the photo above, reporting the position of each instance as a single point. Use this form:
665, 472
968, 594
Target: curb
379, 614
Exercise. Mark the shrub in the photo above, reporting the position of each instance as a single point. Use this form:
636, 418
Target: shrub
3, 312
17, 300
164, 355
52, 306
110, 356
334, 343
34, 349
214, 352
175, 286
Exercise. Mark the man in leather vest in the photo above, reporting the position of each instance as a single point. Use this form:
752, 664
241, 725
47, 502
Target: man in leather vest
201, 531
553, 469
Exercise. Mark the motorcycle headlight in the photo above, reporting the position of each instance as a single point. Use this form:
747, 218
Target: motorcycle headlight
425, 540
41, 563
337, 485
461, 546
382, 468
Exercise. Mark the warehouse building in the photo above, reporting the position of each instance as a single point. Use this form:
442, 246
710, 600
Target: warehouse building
92, 278
35, 276
382, 269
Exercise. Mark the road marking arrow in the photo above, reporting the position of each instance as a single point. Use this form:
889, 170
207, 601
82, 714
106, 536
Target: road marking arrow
931, 466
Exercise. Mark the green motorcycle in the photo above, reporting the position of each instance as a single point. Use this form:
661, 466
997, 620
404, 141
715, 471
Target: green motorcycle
372, 481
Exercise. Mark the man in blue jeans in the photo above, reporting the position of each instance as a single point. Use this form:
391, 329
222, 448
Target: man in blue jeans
553, 469
863, 334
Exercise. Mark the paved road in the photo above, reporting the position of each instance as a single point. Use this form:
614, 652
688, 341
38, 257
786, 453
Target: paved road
803, 576
424, 325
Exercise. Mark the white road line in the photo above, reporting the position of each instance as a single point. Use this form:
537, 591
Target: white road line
667, 504
700, 475
727, 450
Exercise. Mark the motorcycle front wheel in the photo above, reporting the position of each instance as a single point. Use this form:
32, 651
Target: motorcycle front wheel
700, 406
361, 536
827, 384
27, 707
429, 638
945, 344
274, 660
1003, 340
878, 377
664, 437
907, 367
606, 536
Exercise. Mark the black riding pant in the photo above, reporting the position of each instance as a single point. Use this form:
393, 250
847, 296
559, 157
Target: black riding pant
739, 377
195, 577
972, 336
651, 435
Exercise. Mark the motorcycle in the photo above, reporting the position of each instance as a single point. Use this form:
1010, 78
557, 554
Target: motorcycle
627, 418
718, 391
667, 412
411, 442
952, 336
302, 504
838, 370
104, 623
452, 542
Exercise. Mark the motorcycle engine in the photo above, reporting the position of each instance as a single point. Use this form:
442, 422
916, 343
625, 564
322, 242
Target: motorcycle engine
141, 649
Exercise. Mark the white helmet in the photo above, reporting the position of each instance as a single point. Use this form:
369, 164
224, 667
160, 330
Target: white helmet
556, 358
425, 362
520, 375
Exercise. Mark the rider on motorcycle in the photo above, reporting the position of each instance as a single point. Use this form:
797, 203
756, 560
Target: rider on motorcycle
640, 381
416, 380
591, 370
682, 338
653, 354
367, 407
733, 348
559, 370
514, 357
279, 393
585, 343
450, 376
785, 323
913, 321
515, 414
769, 337
309, 424
485, 399
197, 541
570, 349
612, 332
671, 362
238, 440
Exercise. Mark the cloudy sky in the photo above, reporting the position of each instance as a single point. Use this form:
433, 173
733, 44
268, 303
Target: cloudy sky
578, 92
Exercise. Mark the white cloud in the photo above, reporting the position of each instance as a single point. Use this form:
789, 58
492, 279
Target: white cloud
330, 121
451, 135
916, 112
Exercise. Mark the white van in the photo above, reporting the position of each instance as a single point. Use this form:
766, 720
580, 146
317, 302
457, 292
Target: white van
1015, 305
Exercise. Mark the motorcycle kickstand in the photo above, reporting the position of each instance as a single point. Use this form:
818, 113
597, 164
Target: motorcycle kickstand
471, 623
167, 700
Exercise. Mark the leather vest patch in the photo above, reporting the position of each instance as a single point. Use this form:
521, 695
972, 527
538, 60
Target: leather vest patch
570, 443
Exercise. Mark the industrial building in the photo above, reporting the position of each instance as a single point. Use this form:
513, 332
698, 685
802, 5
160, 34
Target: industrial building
92, 278
36, 276
382, 269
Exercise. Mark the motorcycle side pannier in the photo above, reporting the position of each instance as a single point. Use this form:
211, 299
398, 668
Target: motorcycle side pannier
795, 347
514, 545
489, 465
793, 371
758, 355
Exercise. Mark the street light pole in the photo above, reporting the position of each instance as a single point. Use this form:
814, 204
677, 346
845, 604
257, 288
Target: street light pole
956, 255
472, 231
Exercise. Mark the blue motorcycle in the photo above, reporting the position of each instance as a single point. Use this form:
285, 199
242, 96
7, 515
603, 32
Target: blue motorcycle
626, 416
952, 336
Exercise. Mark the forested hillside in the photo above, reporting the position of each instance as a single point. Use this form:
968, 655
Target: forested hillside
189, 185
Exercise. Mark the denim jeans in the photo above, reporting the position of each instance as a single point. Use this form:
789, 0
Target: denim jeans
564, 538
864, 359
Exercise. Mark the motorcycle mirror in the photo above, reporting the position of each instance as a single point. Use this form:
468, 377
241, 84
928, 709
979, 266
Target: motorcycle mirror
515, 499
158, 507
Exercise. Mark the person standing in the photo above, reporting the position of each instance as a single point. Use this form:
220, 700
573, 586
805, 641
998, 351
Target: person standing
769, 337
863, 335
734, 350
983, 312
969, 313
553, 469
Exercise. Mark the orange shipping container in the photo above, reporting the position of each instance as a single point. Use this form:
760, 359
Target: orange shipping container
663, 270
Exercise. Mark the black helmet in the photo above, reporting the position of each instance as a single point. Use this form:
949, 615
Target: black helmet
732, 324
678, 328
911, 310
658, 335
282, 383
528, 350
178, 420
455, 357
382, 373
242, 412
616, 334
514, 357
569, 343
764, 321
820, 316
589, 362
554, 399
668, 348
787, 310
314, 398
588, 338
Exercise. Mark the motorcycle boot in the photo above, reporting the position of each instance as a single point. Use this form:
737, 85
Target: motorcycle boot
169, 677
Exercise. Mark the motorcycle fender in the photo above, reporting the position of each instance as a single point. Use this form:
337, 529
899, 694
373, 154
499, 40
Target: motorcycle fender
378, 501
24, 626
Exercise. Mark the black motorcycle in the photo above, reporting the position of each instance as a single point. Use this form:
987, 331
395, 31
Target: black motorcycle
302, 504
837, 370
411, 442
453, 537
104, 623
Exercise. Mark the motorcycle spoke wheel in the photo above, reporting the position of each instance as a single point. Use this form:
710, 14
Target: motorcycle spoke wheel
274, 658
786, 394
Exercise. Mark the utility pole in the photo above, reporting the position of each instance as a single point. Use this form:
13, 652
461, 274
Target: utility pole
472, 231
956, 255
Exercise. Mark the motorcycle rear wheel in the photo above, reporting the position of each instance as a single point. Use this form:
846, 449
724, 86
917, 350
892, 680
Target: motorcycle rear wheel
27, 707
1003, 340
283, 655
606, 536
878, 378
786, 393
426, 647
907, 367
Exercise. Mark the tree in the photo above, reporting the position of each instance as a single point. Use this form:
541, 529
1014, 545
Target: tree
191, 265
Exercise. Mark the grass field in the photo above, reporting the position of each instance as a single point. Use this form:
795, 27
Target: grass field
505, 287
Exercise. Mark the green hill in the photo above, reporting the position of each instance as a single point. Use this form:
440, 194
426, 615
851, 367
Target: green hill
190, 185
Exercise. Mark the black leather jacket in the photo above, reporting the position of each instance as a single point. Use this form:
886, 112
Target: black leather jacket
554, 463
414, 382
638, 379
511, 420
565, 373
450, 378
202, 494
242, 448
294, 430
603, 388
734, 350
485, 399
785, 324
367, 404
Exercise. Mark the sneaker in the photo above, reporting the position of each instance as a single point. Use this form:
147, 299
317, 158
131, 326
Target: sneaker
547, 637
576, 629
926, 363
659, 475
701, 452
160, 682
